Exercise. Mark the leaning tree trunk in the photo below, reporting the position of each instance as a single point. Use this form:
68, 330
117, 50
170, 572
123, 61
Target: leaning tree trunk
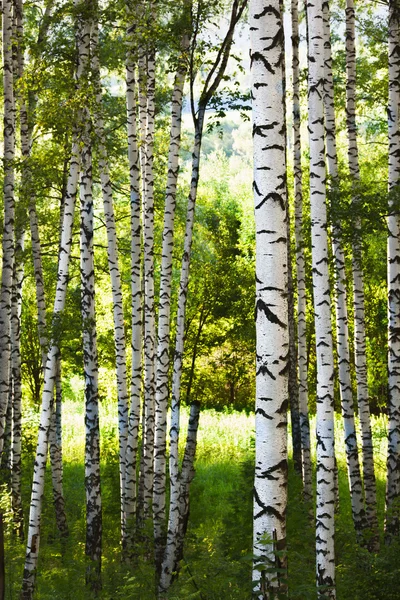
392, 524
300, 265
169, 565
116, 286
136, 284
270, 487
32, 550
8, 250
342, 330
358, 287
325, 525
170, 557
164, 314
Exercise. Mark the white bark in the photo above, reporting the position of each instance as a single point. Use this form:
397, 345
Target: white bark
358, 288
300, 266
270, 201
325, 525
393, 221
116, 286
164, 313
33, 541
136, 285
170, 562
8, 250
90, 358
147, 123
342, 330
16, 408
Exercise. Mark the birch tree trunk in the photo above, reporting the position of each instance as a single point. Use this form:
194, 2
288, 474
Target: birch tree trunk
164, 314
342, 331
136, 284
16, 407
270, 201
300, 265
358, 287
116, 287
325, 526
392, 524
8, 250
148, 92
32, 550
170, 561
90, 360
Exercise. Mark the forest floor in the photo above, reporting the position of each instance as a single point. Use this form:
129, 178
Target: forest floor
217, 561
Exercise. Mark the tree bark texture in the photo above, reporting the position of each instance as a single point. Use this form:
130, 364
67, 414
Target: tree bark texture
342, 330
392, 524
325, 526
270, 201
300, 266
358, 287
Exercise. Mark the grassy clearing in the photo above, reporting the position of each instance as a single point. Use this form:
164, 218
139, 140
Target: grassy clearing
217, 560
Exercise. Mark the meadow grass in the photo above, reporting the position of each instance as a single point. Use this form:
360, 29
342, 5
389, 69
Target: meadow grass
217, 561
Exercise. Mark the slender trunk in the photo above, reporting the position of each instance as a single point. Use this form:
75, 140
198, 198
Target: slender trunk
270, 201
212, 81
116, 286
342, 330
293, 380
136, 285
325, 525
147, 91
300, 266
164, 314
170, 557
33, 542
16, 407
358, 288
93, 548
55, 451
392, 524
8, 250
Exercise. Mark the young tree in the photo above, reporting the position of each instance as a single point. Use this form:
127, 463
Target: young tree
8, 244
147, 65
177, 518
136, 284
393, 459
358, 286
85, 15
300, 265
270, 487
325, 525
342, 331
164, 312
113, 265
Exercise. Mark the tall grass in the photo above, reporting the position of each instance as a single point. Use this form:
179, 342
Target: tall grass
217, 561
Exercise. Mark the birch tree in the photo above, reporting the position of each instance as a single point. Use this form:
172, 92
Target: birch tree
164, 312
358, 286
270, 202
342, 330
393, 249
115, 275
176, 518
325, 526
147, 125
8, 248
300, 265
136, 285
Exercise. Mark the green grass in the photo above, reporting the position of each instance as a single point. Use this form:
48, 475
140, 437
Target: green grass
217, 562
